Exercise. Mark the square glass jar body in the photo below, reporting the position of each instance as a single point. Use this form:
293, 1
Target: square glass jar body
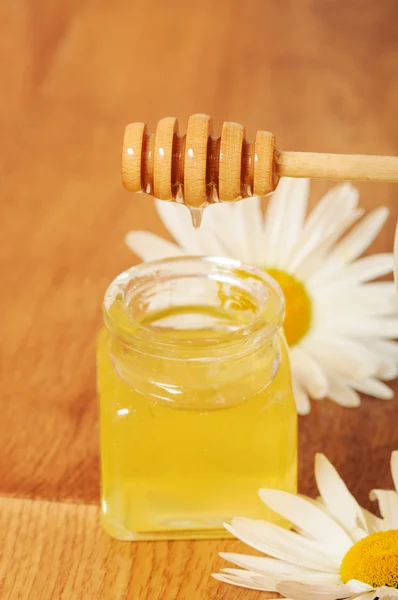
196, 403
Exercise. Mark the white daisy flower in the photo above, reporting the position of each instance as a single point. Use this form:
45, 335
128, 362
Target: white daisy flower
338, 549
338, 326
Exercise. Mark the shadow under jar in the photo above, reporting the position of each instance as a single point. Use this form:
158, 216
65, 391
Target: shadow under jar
196, 401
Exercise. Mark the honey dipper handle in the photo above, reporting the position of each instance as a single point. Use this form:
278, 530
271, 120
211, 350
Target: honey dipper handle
336, 166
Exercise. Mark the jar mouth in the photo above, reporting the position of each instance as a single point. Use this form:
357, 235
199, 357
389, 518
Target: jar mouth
193, 302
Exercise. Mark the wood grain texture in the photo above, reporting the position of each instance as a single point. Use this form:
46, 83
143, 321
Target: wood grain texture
346, 167
195, 160
321, 75
57, 551
230, 167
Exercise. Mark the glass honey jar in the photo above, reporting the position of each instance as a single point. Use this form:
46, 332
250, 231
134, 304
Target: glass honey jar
196, 403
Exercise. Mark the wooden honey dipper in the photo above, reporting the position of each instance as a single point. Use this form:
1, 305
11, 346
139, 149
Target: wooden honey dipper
198, 169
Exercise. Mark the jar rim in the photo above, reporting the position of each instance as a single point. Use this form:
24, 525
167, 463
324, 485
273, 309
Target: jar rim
256, 280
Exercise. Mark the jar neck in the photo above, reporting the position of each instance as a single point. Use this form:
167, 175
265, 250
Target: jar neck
194, 308
197, 333
197, 384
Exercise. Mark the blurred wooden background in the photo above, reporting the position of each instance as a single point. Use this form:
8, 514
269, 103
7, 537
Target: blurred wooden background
322, 75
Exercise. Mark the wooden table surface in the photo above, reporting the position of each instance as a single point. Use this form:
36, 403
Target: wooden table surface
322, 75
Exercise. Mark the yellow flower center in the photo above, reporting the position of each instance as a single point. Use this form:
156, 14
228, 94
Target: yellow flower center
373, 560
298, 306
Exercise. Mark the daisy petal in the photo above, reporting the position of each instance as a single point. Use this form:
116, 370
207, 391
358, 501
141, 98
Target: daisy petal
385, 351
341, 356
359, 587
366, 269
309, 373
303, 404
373, 523
387, 370
386, 367
295, 218
318, 258
394, 468
226, 235
284, 545
373, 595
386, 347
360, 238
239, 581
358, 534
302, 591
336, 497
388, 504
266, 582
344, 194
249, 230
342, 394
262, 564
377, 327
278, 569
284, 220
149, 246
275, 220
335, 205
362, 358
385, 592
270, 581
366, 299
309, 518
333, 208
367, 595
372, 387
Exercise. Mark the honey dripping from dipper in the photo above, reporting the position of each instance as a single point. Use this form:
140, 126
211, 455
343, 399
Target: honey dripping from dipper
195, 169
